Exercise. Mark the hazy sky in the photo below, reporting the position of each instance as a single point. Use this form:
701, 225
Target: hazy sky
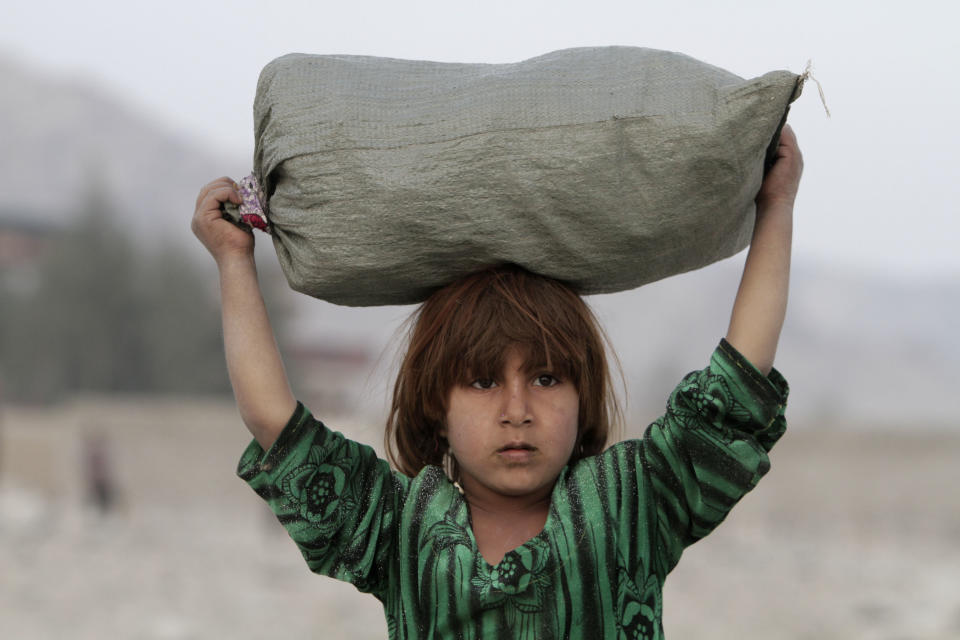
880, 188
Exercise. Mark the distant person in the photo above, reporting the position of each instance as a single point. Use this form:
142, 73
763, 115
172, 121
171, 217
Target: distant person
98, 474
506, 514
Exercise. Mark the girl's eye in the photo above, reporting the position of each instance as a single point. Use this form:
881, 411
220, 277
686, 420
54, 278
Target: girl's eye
545, 380
483, 383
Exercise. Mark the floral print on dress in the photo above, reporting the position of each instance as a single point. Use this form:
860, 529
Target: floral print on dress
640, 611
317, 493
447, 534
706, 397
515, 584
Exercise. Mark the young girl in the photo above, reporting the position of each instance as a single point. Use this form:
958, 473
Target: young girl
506, 518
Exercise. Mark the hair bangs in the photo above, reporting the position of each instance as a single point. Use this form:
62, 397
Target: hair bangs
503, 315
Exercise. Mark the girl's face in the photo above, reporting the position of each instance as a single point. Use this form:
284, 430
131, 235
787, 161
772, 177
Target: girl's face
512, 435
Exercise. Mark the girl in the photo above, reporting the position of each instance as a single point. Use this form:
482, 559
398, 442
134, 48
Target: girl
532, 529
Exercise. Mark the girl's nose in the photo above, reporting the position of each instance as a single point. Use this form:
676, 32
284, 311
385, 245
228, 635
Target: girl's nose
515, 409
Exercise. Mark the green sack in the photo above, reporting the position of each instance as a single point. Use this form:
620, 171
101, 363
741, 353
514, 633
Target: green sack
605, 168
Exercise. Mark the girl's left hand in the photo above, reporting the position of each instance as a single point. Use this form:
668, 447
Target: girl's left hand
781, 183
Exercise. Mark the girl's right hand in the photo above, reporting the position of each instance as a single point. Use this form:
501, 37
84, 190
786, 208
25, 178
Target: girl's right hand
781, 183
222, 238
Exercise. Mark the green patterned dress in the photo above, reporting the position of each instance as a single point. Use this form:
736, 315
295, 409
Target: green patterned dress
617, 525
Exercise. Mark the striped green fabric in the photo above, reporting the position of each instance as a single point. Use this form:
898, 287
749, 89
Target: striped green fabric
617, 525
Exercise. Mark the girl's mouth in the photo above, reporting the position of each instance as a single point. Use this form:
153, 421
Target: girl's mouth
517, 451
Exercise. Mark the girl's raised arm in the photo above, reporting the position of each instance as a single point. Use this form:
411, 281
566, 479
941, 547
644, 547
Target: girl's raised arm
256, 371
761, 302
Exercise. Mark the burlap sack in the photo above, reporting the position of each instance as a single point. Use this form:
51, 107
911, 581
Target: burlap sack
605, 168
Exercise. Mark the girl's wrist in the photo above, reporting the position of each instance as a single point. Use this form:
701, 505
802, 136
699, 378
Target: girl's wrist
234, 261
779, 206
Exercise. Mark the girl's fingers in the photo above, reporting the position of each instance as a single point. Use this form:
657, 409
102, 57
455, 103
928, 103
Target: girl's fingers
223, 181
228, 192
216, 185
208, 214
787, 135
788, 142
211, 202
204, 190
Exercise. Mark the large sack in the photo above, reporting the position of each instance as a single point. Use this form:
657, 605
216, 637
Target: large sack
605, 168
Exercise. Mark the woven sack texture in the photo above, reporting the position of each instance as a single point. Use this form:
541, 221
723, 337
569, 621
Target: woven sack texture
603, 167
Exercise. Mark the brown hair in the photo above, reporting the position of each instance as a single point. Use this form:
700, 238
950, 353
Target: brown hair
464, 331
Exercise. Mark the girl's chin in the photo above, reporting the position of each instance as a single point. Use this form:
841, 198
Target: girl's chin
525, 488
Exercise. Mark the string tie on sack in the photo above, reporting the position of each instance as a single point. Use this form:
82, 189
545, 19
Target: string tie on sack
808, 73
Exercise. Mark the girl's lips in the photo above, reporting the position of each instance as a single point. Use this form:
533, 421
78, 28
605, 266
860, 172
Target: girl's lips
518, 452
517, 445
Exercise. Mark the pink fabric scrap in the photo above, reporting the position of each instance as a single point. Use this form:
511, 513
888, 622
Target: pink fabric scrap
252, 210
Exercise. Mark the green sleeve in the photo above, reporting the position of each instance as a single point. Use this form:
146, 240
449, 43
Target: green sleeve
337, 500
709, 448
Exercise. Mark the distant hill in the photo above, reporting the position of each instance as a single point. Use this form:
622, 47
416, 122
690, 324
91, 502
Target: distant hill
858, 348
61, 136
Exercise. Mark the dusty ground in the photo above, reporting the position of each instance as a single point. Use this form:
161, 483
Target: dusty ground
853, 535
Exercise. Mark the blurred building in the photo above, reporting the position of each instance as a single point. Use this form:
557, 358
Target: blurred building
332, 379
